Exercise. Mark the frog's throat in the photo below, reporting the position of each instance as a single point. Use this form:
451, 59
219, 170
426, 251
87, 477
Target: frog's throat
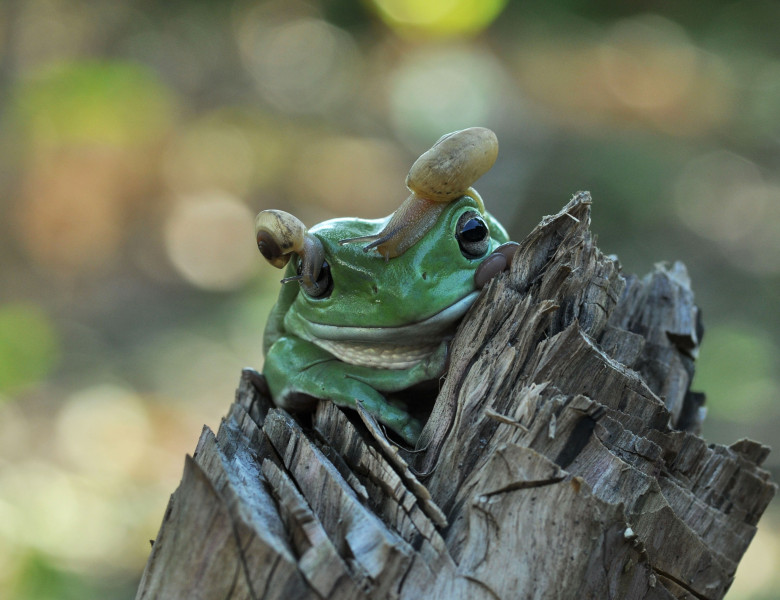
398, 347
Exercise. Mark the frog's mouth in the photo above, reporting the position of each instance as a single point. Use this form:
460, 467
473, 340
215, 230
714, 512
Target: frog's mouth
397, 347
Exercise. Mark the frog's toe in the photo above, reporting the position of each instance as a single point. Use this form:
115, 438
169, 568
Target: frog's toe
411, 431
393, 414
500, 260
489, 268
508, 249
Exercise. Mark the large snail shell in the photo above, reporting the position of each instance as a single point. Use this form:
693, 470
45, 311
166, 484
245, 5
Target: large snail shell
453, 164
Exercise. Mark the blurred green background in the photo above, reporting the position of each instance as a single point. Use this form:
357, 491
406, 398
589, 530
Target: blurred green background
138, 140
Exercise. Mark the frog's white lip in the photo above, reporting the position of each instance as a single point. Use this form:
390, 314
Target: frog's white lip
434, 328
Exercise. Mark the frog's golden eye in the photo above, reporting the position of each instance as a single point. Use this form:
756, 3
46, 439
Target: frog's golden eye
472, 234
280, 235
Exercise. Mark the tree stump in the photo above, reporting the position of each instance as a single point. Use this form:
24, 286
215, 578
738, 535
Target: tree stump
561, 460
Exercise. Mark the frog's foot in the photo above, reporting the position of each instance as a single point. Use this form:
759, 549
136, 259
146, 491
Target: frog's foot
500, 260
394, 416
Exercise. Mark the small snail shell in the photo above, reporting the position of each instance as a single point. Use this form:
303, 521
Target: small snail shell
278, 235
453, 164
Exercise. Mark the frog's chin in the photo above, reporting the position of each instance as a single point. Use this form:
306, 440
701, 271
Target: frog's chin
431, 329
396, 347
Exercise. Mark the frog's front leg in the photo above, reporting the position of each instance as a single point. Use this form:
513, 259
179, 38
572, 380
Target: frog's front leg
294, 367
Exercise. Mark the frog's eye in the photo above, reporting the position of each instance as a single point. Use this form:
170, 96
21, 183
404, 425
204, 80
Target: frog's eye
473, 235
322, 287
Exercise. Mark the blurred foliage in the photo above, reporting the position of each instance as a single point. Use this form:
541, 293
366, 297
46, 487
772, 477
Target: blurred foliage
137, 140
738, 361
90, 102
42, 581
28, 346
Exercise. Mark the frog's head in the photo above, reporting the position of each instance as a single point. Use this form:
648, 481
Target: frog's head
419, 271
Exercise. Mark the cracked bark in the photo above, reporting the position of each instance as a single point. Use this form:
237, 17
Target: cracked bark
561, 460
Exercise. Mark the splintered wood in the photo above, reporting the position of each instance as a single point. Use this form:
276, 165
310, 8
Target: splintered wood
561, 460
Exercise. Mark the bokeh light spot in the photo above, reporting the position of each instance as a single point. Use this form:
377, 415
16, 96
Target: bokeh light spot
649, 62
438, 17
718, 196
723, 197
40, 505
446, 89
103, 430
68, 518
29, 346
73, 206
300, 66
209, 240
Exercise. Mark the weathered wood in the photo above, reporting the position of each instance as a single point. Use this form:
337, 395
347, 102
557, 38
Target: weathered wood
561, 461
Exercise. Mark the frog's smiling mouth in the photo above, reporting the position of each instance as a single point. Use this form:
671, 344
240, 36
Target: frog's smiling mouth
396, 347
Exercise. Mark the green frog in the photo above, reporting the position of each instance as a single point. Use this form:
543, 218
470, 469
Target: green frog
367, 307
